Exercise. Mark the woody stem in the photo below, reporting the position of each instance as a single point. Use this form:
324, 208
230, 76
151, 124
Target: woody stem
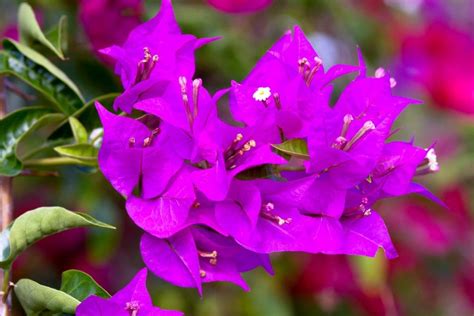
6, 207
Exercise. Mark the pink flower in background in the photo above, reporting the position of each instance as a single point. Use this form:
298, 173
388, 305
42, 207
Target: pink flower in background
108, 22
239, 6
10, 31
441, 59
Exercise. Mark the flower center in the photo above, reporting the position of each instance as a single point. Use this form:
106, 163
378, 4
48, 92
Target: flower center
132, 307
145, 66
342, 142
307, 70
236, 150
262, 94
267, 213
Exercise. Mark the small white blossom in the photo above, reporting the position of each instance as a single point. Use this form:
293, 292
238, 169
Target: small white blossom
262, 94
379, 73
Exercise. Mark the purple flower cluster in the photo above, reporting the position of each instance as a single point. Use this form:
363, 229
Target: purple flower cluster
215, 197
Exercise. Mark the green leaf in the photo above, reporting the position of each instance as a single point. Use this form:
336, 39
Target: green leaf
33, 68
80, 285
37, 299
78, 130
82, 152
31, 34
13, 128
295, 147
37, 224
58, 34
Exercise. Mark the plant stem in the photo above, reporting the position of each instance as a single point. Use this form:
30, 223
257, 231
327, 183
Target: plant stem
6, 285
54, 161
6, 205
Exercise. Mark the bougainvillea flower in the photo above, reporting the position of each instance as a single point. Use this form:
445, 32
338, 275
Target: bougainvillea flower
239, 6
347, 141
153, 53
122, 16
398, 164
130, 151
288, 82
199, 255
131, 300
273, 222
393, 175
440, 59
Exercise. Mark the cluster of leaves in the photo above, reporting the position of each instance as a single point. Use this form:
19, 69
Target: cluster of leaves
65, 141
65, 103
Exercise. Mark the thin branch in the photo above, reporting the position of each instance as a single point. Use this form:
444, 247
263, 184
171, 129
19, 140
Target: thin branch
6, 203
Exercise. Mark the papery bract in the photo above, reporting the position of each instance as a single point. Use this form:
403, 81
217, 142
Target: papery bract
126, 152
164, 215
154, 52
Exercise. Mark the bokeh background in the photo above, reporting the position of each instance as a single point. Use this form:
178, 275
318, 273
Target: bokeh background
426, 45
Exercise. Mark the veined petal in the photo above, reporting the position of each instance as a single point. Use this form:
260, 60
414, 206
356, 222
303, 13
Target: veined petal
174, 259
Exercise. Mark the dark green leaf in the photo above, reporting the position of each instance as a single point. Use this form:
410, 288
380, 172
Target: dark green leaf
37, 299
295, 147
78, 130
16, 126
37, 224
31, 34
80, 285
37, 71
259, 172
82, 152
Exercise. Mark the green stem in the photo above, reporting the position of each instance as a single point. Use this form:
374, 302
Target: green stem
91, 102
48, 162
6, 285
38, 150
87, 105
